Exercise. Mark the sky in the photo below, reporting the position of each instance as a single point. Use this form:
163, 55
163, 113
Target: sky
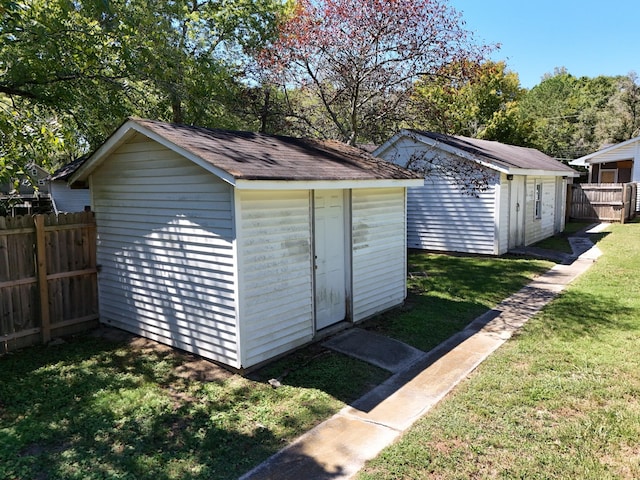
588, 37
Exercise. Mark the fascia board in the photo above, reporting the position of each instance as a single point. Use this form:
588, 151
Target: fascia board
242, 184
543, 173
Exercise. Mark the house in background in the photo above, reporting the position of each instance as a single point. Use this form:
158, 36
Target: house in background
239, 246
67, 198
479, 196
31, 194
619, 163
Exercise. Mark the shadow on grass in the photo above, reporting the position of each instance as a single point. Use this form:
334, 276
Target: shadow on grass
90, 409
316, 367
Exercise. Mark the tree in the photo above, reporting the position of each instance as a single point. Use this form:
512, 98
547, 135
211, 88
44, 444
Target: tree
570, 117
619, 119
352, 64
476, 106
71, 71
194, 53
553, 106
54, 57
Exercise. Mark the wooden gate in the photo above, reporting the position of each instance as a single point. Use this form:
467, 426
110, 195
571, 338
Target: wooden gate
48, 277
609, 202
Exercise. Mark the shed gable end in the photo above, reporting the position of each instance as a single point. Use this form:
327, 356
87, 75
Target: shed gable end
165, 244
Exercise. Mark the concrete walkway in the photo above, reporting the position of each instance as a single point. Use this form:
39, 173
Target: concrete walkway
339, 447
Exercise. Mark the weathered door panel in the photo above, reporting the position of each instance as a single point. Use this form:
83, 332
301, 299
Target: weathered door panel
516, 211
330, 264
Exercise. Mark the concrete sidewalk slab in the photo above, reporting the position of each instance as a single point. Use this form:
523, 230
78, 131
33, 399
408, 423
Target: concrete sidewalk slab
339, 447
334, 449
379, 350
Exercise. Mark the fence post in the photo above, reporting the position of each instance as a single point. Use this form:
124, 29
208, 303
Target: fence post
623, 215
43, 285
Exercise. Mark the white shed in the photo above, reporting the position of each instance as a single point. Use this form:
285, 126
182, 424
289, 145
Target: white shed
479, 196
240, 246
619, 163
64, 197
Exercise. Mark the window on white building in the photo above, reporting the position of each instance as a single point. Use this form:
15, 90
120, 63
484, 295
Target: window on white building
538, 200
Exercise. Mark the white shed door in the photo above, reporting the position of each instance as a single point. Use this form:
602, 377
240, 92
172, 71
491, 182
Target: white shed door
516, 211
330, 268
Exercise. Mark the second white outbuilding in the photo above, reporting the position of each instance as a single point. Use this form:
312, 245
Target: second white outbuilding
479, 196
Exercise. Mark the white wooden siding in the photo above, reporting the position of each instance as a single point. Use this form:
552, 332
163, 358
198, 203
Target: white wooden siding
379, 250
67, 199
165, 246
439, 216
561, 205
274, 265
537, 229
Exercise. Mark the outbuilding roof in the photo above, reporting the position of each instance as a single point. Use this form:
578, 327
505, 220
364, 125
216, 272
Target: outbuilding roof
248, 156
502, 157
65, 171
605, 153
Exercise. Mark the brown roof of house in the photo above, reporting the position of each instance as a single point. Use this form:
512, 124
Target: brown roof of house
256, 156
501, 154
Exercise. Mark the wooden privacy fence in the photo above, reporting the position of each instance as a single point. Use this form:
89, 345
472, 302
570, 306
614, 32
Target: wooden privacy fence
48, 277
611, 202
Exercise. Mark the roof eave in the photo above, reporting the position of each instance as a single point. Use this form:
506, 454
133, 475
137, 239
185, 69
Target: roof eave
584, 161
261, 184
544, 173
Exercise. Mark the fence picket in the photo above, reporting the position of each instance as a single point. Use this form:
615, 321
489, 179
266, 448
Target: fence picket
604, 202
48, 277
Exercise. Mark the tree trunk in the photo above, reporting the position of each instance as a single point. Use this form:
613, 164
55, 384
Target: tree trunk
264, 115
176, 110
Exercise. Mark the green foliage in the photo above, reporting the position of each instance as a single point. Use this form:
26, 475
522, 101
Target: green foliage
73, 71
570, 117
32, 133
619, 119
554, 107
563, 116
471, 104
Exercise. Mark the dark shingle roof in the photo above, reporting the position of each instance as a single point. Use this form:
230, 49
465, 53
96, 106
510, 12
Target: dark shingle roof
64, 172
501, 154
255, 156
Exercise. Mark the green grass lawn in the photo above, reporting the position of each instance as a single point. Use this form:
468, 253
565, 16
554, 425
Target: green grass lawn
447, 292
94, 409
560, 400
560, 242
